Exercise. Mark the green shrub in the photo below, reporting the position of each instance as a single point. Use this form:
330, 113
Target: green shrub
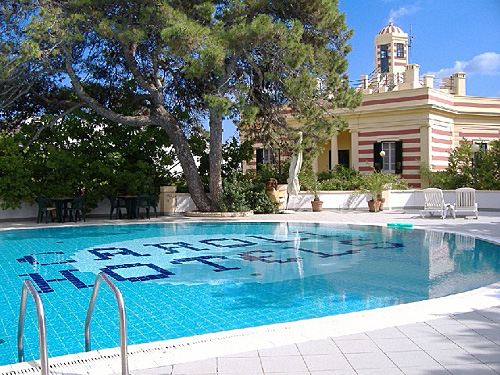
460, 170
244, 193
339, 179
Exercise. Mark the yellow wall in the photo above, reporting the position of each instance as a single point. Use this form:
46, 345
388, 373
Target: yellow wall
344, 140
323, 159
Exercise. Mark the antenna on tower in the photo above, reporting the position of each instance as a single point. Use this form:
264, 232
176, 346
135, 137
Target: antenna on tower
410, 45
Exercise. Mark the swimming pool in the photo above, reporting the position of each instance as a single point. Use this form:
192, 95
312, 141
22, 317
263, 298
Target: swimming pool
187, 279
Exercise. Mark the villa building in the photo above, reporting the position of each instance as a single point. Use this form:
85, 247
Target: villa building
405, 116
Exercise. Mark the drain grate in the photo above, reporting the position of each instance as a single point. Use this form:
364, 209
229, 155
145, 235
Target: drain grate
84, 366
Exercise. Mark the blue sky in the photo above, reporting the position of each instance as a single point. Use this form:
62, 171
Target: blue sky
448, 36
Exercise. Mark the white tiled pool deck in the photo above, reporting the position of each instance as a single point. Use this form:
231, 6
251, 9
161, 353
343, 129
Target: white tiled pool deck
458, 334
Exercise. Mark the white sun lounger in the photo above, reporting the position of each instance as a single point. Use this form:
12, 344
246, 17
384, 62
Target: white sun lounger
434, 203
465, 201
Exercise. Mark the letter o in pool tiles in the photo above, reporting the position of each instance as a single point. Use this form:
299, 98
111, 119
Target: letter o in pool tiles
160, 272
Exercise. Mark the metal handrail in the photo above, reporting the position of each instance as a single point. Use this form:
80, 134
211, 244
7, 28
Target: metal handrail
121, 313
42, 331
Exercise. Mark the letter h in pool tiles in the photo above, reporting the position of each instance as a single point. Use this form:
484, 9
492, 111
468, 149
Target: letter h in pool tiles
46, 285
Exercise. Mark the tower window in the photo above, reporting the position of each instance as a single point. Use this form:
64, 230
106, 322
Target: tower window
383, 52
400, 50
384, 61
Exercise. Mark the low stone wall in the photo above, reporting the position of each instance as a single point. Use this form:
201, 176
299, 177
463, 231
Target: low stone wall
351, 200
172, 203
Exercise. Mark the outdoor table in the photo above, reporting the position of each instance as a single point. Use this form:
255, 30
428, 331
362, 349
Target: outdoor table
131, 204
61, 207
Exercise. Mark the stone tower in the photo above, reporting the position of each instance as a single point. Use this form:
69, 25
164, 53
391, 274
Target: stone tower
391, 50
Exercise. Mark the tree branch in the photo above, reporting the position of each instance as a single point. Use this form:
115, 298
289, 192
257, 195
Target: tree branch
129, 53
95, 105
50, 124
156, 71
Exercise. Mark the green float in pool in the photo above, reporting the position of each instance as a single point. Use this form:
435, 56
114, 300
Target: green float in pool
400, 225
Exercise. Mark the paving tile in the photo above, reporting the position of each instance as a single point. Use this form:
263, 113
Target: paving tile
453, 329
396, 345
452, 357
472, 317
318, 347
251, 354
386, 333
494, 366
283, 364
334, 372
411, 359
326, 362
163, 370
206, 366
417, 330
245, 366
427, 370
468, 369
492, 313
357, 346
490, 333
385, 371
448, 320
369, 360
279, 350
486, 354
355, 336
434, 342
472, 342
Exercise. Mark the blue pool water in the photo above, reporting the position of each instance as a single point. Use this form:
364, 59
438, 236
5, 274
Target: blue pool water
194, 278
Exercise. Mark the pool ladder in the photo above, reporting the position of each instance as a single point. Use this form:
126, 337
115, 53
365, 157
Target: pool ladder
42, 331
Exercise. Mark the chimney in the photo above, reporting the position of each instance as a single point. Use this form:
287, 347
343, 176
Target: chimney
412, 75
428, 81
458, 87
411, 78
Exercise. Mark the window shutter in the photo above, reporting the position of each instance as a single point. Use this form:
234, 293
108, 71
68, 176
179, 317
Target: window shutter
377, 159
399, 157
259, 157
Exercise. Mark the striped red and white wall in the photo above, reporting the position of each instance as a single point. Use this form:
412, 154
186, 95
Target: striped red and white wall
411, 151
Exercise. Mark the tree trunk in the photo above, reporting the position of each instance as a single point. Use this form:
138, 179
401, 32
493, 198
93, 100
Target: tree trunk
215, 157
189, 167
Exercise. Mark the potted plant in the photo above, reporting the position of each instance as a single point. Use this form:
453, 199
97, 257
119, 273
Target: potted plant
372, 185
310, 180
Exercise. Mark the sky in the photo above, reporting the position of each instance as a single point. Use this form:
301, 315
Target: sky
448, 36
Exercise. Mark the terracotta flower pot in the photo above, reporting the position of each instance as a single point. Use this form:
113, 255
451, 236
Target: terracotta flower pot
381, 201
271, 184
317, 206
373, 206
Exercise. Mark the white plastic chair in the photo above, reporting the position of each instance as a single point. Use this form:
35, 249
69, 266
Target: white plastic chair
434, 203
465, 201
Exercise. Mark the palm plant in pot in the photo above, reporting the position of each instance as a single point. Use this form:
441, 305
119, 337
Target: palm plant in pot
373, 185
310, 180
